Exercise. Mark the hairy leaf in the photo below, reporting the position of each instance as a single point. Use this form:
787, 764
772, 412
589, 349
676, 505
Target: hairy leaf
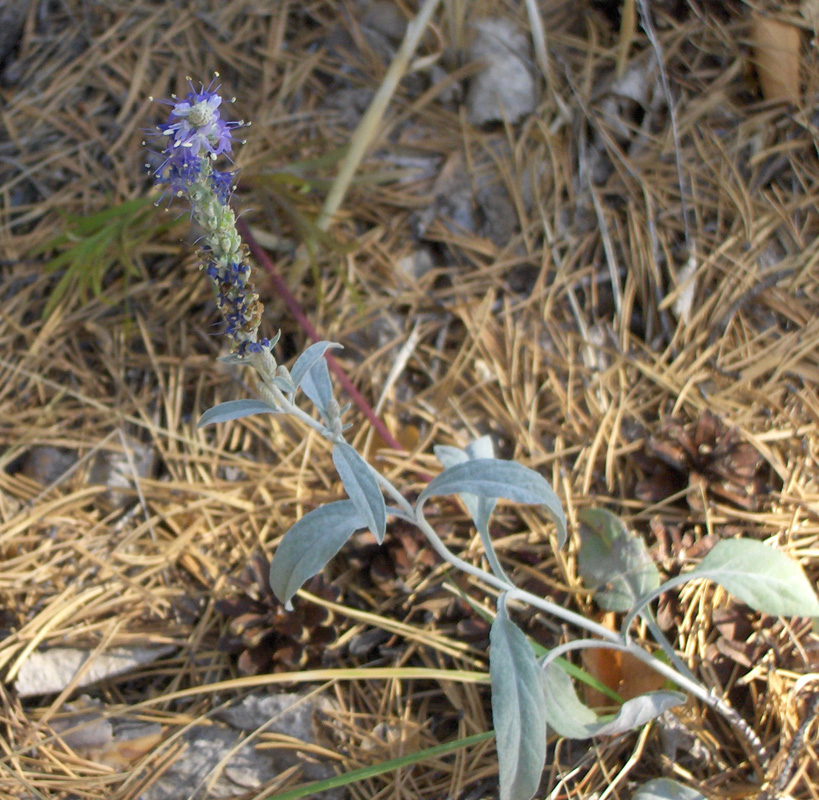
518, 708
492, 477
362, 488
613, 561
235, 409
479, 508
309, 358
639, 710
564, 711
764, 578
567, 715
310, 544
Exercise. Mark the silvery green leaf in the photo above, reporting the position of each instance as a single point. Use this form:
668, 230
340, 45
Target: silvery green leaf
284, 382
492, 477
235, 409
449, 456
317, 386
308, 359
613, 561
362, 487
666, 789
480, 448
639, 710
764, 578
518, 708
567, 715
310, 544
479, 508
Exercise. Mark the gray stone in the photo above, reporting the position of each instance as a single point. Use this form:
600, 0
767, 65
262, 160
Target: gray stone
289, 714
196, 774
119, 470
50, 671
505, 88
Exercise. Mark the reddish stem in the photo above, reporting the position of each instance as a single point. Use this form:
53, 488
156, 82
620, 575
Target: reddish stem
295, 309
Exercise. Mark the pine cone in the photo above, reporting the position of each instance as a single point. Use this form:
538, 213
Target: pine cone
265, 636
708, 457
398, 563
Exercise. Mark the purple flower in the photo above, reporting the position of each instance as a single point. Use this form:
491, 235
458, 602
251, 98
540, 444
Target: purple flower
179, 170
222, 184
195, 135
196, 123
195, 131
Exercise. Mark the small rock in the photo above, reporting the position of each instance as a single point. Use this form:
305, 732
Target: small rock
84, 726
291, 714
190, 776
385, 18
416, 265
505, 89
453, 202
50, 671
46, 464
119, 470
452, 93
95, 734
248, 768
500, 216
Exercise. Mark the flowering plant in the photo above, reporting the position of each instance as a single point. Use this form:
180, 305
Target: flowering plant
530, 692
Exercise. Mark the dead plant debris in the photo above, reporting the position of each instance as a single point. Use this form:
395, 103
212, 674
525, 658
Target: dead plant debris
632, 317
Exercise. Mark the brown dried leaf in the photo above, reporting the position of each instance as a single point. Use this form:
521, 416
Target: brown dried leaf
776, 54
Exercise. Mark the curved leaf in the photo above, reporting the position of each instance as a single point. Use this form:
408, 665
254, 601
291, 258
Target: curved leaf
613, 561
316, 384
362, 488
666, 789
567, 715
764, 578
518, 708
492, 477
235, 409
310, 544
309, 358
480, 448
479, 508
639, 710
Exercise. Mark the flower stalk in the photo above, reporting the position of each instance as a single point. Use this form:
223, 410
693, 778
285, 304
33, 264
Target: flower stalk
195, 135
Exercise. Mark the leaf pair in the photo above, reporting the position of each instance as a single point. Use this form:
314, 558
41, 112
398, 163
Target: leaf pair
616, 564
503, 480
309, 373
304, 551
528, 699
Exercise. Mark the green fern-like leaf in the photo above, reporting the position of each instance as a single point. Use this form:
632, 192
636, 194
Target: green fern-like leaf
92, 246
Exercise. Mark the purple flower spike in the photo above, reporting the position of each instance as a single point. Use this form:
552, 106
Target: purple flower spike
195, 135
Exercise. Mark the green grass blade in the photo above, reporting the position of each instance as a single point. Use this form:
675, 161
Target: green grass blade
379, 769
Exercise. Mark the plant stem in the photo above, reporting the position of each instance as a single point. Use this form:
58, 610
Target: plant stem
295, 309
668, 649
506, 586
611, 639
